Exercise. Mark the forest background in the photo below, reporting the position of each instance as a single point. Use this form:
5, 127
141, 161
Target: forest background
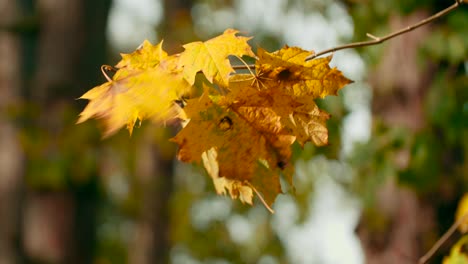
383, 191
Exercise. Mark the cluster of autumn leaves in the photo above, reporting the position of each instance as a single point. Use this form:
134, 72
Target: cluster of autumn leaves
240, 126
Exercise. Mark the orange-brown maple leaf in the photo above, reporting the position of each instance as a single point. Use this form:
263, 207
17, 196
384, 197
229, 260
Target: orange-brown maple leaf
298, 114
244, 145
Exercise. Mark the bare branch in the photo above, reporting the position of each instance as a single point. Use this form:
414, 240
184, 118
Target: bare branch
243, 67
442, 239
377, 40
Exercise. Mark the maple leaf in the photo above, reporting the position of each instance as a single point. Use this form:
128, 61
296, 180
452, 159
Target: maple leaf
218, 127
288, 69
144, 88
211, 57
145, 57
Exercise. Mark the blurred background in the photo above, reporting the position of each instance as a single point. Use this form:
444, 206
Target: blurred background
383, 192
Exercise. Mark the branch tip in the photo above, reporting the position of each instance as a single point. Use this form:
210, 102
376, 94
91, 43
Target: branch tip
377, 40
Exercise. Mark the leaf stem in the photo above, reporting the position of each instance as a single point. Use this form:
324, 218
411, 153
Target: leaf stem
104, 69
377, 40
442, 239
246, 66
261, 198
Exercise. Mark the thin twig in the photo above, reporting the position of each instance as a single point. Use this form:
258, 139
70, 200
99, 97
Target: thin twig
244, 67
442, 239
377, 40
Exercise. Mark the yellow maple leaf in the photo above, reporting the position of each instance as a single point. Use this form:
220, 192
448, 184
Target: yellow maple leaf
462, 213
147, 56
136, 94
288, 69
211, 57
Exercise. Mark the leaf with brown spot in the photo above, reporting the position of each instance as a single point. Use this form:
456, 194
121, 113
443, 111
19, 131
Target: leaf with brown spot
248, 141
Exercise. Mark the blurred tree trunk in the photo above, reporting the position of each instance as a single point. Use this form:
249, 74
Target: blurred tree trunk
11, 155
177, 26
155, 168
155, 174
399, 86
59, 225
